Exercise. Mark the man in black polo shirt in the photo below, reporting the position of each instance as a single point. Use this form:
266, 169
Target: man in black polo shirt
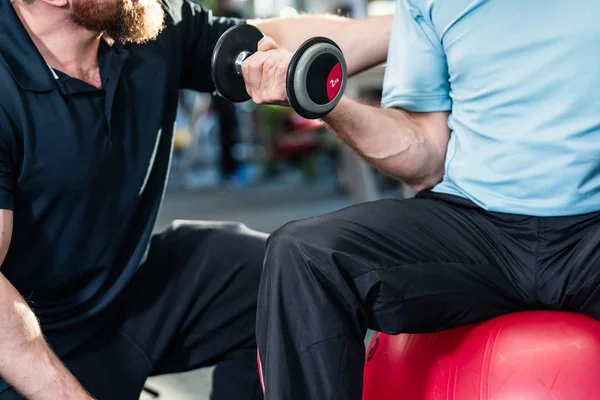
88, 97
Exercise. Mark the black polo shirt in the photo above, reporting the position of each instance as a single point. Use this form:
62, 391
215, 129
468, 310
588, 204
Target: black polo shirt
84, 169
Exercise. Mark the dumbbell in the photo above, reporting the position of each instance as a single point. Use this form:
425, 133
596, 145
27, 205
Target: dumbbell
316, 77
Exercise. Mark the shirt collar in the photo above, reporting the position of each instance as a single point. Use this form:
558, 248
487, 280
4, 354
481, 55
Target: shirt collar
19, 54
53, 72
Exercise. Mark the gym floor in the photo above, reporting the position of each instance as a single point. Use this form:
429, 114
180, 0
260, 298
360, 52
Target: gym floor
264, 208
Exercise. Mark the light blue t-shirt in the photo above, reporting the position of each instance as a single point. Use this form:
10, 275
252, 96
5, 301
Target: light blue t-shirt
522, 81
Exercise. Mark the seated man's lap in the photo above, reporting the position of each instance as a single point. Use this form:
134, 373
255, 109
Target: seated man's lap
414, 265
438, 261
568, 264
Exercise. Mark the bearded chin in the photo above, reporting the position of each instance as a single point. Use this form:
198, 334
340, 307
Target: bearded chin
122, 21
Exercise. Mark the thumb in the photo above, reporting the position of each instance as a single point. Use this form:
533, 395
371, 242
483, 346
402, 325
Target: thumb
267, 43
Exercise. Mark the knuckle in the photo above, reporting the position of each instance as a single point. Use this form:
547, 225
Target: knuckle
281, 71
255, 67
270, 64
282, 96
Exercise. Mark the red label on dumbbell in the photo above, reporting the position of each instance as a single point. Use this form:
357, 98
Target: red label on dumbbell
334, 82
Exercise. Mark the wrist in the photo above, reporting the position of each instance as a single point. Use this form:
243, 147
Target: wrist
49, 378
59, 389
340, 111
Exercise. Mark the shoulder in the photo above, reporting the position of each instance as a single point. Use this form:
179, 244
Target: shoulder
192, 21
178, 10
178, 27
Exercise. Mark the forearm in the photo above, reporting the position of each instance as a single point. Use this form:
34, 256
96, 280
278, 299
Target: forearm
364, 42
393, 141
26, 361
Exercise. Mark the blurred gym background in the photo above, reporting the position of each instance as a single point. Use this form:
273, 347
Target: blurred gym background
264, 165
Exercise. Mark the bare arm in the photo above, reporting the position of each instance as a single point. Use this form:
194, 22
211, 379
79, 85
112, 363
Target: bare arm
364, 42
411, 147
407, 145
26, 361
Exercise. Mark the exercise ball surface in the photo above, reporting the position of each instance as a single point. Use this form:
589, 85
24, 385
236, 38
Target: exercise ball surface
538, 355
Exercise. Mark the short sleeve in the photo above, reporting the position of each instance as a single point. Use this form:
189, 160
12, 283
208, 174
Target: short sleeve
199, 30
416, 76
6, 175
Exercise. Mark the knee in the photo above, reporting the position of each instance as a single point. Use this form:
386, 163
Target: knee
191, 228
239, 244
310, 240
303, 253
296, 234
224, 244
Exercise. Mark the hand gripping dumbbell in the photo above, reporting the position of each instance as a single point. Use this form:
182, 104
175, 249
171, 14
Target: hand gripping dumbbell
316, 77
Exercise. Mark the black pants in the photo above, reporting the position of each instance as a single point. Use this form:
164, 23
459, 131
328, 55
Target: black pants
410, 266
193, 304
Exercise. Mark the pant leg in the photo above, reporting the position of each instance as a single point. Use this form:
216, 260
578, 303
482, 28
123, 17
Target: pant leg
418, 265
568, 270
195, 305
191, 305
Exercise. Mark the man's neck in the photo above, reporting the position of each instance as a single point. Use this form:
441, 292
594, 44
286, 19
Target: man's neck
63, 45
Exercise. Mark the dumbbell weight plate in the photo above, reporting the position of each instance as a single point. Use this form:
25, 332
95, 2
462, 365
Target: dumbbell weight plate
237, 39
316, 78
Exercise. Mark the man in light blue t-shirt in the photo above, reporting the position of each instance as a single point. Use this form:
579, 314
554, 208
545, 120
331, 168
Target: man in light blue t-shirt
491, 110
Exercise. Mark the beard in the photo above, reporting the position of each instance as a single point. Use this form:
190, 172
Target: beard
133, 21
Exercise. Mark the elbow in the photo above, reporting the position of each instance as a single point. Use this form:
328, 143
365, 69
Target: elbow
417, 177
421, 186
429, 174
425, 182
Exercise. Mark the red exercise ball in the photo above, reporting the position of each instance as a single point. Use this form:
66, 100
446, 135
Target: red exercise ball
537, 355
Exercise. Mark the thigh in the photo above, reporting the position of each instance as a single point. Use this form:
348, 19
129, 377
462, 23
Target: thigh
193, 303
569, 277
417, 265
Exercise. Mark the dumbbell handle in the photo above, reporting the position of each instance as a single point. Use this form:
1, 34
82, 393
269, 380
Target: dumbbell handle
240, 60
